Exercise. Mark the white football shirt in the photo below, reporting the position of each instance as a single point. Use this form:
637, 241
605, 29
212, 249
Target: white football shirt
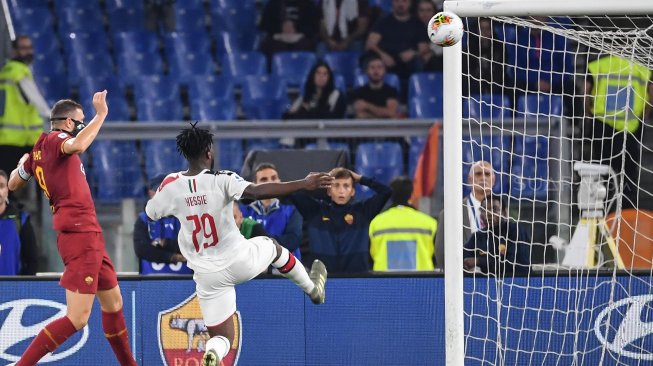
204, 206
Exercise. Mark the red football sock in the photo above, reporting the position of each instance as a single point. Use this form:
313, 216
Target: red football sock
115, 330
50, 337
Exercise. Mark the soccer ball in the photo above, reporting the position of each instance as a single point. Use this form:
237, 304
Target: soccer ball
445, 29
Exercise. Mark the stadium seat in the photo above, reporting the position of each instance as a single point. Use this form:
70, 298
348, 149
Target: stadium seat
529, 168
97, 65
539, 105
266, 109
425, 107
85, 42
131, 42
212, 87
116, 170
213, 109
127, 18
46, 44
425, 84
189, 18
416, 147
390, 79
35, 22
237, 17
230, 154
22, 4
188, 65
385, 5
112, 5
293, 66
381, 160
486, 106
118, 107
343, 63
226, 43
494, 149
78, 19
159, 110
161, 157
133, 66
89, 85
53, 87
240, 65
178, 43
156, 87
256, 88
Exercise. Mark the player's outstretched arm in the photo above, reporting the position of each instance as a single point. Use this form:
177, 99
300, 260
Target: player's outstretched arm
276, 189
85, 137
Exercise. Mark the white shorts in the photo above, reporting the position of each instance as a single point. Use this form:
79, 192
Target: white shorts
215, 290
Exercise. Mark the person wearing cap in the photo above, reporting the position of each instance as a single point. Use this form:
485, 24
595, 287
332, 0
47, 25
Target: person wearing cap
155, 242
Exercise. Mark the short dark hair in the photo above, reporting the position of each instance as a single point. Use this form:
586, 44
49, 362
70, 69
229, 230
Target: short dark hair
341, 173
371, 56
64, 108
4, 174
192, 142
402, 190
493, 197
14, 43
265, 165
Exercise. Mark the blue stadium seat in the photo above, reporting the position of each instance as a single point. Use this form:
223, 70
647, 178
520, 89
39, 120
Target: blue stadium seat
226, 43
133, 66
213, 109
381, 160
130, 42
425, 107
234, 16
256, 88
216, 87
156, 87
343, 63
239, 65
493, 149
266, 109
425, 84
529, 168
293, 66
82, 4
415, 151
539, 105
390, 79
189, 65
230, 154
112, 5
159, 110
76, 19
22, 4
35, 22
116, 170
118, 108
89, 85
385, 5
486, 106
85, 42
46, 43
186, 42
188, 18
54, 87
97, 65
127, 18
161, 157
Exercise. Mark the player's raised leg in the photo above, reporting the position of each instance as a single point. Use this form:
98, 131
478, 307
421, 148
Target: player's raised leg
113, 323
54, 334
312, 284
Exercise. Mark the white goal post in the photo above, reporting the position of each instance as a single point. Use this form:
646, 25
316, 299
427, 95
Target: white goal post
502, 10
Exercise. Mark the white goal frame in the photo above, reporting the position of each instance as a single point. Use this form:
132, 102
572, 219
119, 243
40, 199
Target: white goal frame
453, 131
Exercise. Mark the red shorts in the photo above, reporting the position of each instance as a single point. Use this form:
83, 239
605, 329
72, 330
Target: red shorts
87, 265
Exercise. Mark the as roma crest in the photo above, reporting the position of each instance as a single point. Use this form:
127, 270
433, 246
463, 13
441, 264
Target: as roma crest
183, 335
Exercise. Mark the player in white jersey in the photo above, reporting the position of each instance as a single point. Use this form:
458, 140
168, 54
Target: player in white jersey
211, 242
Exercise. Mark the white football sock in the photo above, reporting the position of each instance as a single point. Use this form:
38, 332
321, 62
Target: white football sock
220, 345
292, 269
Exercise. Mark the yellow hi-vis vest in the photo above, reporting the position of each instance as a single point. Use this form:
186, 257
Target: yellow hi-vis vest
402, 239
619, 91
20, 122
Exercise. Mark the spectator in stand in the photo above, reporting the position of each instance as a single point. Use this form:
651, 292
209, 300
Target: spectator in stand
343, 24
501, 248
402, 238
376, 99
400, 39
281, 221
160, 11
481, 178
155, 242
286, 40
21, 118
433, 58
18, 249
338, 227
303, 14
249, 228
321, 99
484, 61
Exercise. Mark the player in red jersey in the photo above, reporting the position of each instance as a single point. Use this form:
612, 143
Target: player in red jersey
54, 162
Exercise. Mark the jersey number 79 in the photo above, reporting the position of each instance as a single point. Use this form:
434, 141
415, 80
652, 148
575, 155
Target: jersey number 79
203, 226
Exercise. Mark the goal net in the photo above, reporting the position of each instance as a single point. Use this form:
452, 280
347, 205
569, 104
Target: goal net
558, 258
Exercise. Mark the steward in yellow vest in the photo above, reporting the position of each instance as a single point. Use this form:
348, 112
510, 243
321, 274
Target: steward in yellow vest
402, 238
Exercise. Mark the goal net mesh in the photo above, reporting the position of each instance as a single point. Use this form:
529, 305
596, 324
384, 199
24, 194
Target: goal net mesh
558, 259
